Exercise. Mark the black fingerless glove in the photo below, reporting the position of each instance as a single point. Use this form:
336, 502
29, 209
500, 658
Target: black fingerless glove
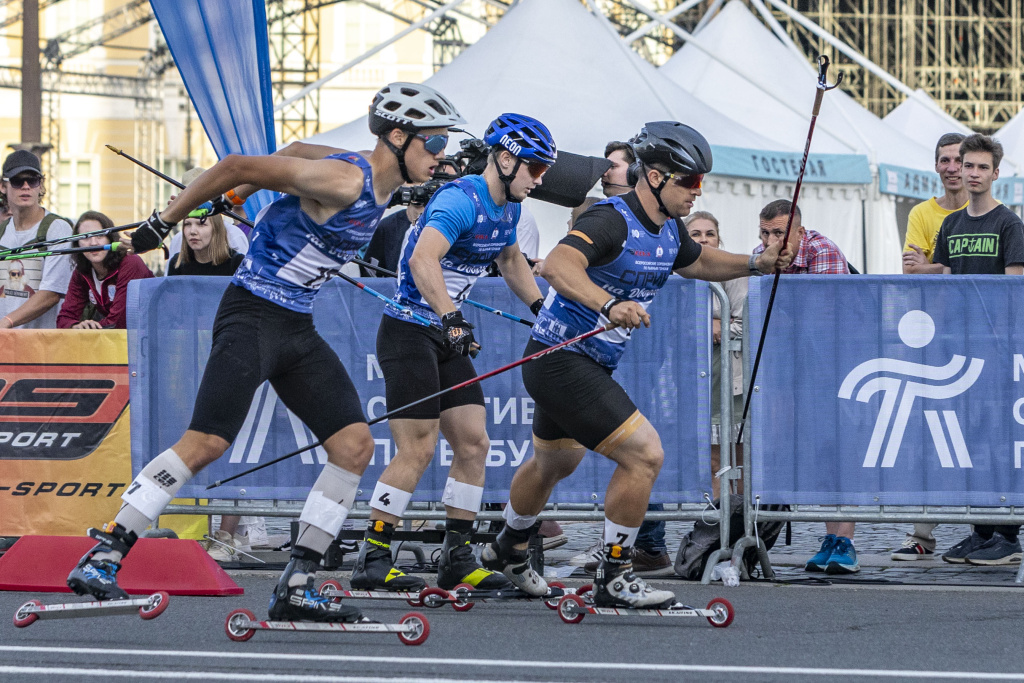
150, 234
536, 306
458, 334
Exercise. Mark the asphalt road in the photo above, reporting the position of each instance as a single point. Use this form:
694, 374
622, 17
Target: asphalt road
780, 633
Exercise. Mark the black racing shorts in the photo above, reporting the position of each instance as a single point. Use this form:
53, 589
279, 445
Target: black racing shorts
416, 363
576, 398
255, 340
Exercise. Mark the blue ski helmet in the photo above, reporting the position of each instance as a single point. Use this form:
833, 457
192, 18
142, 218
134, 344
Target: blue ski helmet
524, 136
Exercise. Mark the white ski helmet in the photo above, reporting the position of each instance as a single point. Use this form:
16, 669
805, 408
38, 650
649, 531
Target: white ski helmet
411, 106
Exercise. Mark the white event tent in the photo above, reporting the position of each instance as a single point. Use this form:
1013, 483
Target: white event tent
1012, 137
589, 87
769, 88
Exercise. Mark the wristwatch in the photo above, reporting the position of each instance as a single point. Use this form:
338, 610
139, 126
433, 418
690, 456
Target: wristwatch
752, 266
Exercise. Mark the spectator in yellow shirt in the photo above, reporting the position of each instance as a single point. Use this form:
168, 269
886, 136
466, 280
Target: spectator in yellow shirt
926, 218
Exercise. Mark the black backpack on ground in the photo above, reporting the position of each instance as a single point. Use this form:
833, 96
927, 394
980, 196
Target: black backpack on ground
705, 538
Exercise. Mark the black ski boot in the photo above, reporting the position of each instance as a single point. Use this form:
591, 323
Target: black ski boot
458, 565
615, 584
504, 557
304, 602
98, 578
374, 569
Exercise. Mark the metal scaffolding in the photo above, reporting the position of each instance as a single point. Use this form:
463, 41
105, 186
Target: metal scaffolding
295, 63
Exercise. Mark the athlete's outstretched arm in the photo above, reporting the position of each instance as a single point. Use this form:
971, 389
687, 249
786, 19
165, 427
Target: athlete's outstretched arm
425, 264
331, 183
299, 150
716, 265
565, 269
518, 274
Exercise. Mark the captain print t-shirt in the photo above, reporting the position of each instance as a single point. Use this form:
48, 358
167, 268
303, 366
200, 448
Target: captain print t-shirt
980, 245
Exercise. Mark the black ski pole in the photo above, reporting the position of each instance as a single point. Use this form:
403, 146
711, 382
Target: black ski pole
822, 88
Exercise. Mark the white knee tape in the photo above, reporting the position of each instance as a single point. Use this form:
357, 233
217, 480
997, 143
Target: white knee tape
390, 500
323, 513
462, 496
147, 497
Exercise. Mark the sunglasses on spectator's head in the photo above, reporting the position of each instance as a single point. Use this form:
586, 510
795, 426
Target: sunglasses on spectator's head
691, 182
32, 181
434, 143
536, 169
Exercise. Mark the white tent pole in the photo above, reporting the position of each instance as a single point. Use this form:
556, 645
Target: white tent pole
651, 25
630, 55
707, 16
369, 53
698, 43
842, 47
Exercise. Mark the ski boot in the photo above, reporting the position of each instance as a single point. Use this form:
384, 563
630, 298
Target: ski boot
458, 566
374, 569
98, 577
304, 602
503, 556
615, 584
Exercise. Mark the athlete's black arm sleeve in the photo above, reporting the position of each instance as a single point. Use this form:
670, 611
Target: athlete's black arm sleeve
599, 234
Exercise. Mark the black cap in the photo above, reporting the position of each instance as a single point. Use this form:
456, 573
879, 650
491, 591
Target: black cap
20, 162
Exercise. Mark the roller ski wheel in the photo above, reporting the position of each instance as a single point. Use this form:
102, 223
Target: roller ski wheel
435, 597
464, 596
586, 591
552, 602
332, 589
572, 608
147, 607
723, 612
412, 629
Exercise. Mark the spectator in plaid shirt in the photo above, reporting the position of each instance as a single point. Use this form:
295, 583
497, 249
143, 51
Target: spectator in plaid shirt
818, 255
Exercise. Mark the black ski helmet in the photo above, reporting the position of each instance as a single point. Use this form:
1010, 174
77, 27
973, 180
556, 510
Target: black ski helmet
675, 146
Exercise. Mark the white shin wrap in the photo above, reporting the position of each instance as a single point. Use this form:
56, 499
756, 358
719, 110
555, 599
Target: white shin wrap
156, 484
462, 496
616, 534
390, 500
516, 520
330, 499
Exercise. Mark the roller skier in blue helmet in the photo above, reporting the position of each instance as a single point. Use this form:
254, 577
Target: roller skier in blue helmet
468, 224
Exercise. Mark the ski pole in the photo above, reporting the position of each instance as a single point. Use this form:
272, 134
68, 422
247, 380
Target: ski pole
822, 88
396, 411
78, 250
483, 307
69, 238
172, 181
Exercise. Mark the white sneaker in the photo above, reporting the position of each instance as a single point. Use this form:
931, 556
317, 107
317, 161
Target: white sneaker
224, 546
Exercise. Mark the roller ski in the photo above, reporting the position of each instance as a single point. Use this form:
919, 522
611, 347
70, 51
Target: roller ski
333, 590
147, 607
412, 629
464, 596
295, 599
617, 591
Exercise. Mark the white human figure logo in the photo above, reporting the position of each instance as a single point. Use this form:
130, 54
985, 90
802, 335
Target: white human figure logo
916, 330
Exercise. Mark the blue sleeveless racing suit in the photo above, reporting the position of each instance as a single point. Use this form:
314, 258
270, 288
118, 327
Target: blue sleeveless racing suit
291, 255
477, 230
637, 273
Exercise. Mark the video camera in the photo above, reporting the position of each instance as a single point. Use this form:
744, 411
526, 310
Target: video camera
471, 159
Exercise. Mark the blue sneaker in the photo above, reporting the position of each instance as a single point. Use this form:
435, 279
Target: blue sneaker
818, 562
843, 559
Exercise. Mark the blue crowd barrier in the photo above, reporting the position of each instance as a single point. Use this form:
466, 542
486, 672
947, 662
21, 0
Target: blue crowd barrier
666, 371
889, 390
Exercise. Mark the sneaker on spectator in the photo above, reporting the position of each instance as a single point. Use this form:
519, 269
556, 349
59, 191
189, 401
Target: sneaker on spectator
995, 551
551, 535
590, 559
226, 549
912, 550
652, 564
820, 560
843, 559
958, 553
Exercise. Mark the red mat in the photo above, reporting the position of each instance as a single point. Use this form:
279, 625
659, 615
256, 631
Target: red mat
180, 567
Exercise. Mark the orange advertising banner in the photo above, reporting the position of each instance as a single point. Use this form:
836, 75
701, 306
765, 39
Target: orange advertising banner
65, 448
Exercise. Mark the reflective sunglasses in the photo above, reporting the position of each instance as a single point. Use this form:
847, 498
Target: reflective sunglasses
434, 143
536, 169
32, 181
690, 182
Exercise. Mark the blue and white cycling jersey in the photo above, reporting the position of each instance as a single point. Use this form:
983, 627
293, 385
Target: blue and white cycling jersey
637, 273
291, 255
477, 231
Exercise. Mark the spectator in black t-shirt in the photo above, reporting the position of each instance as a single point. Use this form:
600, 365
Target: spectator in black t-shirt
385, 248
986, 238
204, 248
